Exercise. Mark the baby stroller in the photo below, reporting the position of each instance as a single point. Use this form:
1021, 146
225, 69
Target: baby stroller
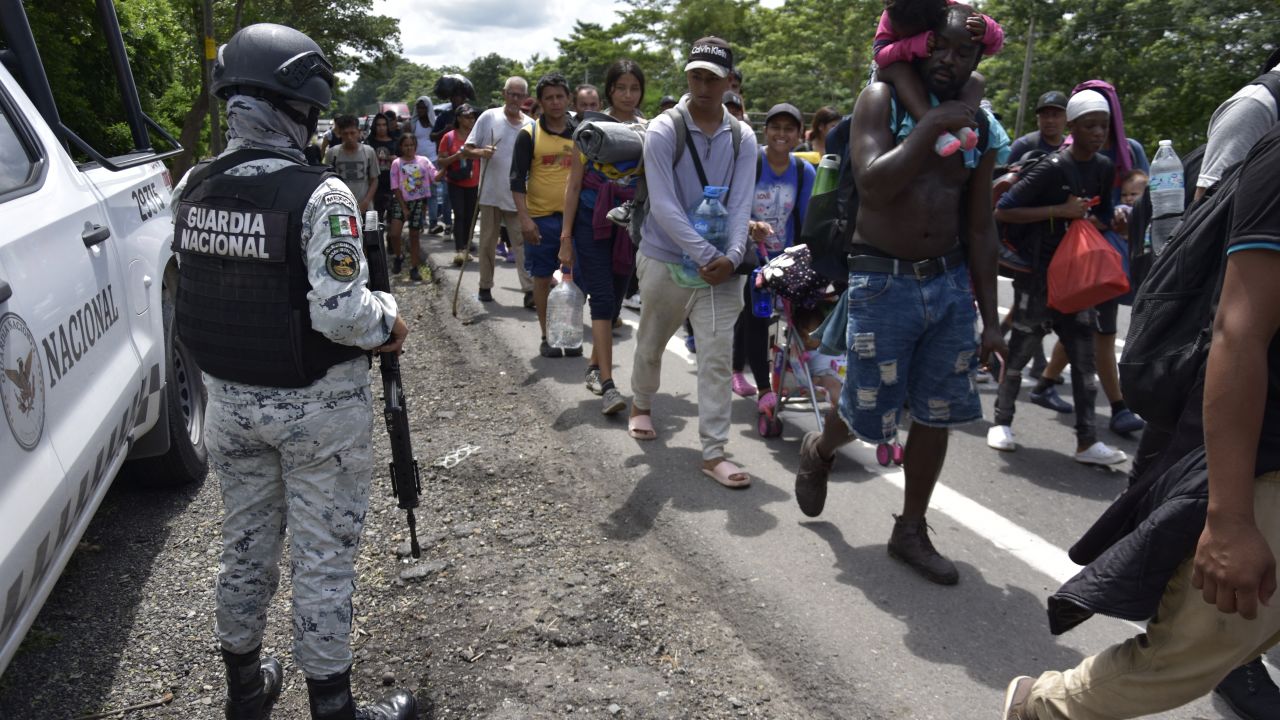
800, 291
791, 280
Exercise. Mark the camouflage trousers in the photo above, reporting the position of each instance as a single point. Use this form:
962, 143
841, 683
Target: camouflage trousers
295, 460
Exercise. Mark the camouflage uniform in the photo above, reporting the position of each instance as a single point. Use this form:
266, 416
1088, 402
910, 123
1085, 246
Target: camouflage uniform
301, 454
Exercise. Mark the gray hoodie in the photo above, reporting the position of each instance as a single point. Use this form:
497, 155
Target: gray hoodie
673, 192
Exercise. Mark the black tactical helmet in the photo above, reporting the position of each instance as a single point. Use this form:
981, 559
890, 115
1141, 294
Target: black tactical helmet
276, 59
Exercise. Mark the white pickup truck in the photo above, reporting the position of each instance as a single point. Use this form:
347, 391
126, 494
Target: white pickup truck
91, 374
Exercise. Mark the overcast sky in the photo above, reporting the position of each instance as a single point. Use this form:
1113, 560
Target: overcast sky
454, 33
442, 33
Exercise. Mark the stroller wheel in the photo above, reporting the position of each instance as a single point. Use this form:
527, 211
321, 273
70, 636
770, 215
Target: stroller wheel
768, 426
884, 454
897, 454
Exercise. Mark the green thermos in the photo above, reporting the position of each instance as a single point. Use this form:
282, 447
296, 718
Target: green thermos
828, 174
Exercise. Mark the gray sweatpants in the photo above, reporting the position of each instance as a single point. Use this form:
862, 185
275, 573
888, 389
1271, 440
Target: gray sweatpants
295, 459
712, 312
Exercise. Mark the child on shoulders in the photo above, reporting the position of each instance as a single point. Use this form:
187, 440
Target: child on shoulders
904, 35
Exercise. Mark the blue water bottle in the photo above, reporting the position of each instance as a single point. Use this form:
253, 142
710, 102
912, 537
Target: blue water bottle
761, 297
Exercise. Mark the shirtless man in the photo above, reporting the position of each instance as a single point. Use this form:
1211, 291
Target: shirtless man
911, 310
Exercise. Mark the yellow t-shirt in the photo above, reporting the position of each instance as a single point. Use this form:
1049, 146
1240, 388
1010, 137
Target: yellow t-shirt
548, 172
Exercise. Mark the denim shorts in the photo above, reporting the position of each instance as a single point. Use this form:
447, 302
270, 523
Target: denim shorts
543, 259
911, 343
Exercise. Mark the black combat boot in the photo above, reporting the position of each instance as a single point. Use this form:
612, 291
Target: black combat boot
253, 684
331, 700
1251, 692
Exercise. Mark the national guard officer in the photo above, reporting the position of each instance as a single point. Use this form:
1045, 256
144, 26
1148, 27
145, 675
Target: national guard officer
272, 303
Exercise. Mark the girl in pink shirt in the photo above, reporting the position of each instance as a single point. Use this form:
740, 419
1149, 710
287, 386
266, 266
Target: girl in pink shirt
411, 178
904, 35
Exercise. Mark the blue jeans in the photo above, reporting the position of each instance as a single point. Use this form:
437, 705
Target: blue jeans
593, 268
911, 342
542, 260
438, 205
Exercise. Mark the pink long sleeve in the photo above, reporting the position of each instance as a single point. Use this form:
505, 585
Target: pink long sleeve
904, 50
884, 31
993, 38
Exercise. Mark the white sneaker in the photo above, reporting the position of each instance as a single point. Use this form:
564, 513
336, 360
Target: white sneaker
1000, 437
1100, 453
632, 303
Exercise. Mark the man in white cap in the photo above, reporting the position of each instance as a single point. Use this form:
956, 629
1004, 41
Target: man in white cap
1042, 200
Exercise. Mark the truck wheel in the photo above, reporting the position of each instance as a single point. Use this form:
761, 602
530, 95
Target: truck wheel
187, 460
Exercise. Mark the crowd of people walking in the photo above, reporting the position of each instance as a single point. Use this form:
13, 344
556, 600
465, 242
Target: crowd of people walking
930, 229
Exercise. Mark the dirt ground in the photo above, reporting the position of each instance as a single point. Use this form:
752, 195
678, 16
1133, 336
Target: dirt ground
524, 604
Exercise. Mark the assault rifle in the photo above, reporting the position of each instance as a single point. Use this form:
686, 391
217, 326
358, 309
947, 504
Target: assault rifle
406, 483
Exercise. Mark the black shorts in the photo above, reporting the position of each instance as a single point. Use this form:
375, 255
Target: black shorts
1107, 314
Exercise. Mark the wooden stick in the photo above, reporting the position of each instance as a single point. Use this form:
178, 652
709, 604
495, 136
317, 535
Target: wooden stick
164, 700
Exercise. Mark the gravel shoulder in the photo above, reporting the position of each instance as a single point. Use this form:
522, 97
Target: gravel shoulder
526, 603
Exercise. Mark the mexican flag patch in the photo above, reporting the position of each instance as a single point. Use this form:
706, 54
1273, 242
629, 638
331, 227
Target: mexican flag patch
343, 226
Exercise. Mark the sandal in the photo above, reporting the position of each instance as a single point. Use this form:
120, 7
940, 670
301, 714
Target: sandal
728, 474
640, 427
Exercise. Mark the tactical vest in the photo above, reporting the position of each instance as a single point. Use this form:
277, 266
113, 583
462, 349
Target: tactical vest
242, 307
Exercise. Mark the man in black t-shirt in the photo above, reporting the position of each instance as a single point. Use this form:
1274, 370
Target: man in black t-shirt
1054, 192
1051, 121
1195, 641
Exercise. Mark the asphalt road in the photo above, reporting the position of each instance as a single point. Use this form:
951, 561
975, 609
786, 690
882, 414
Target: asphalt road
820, 600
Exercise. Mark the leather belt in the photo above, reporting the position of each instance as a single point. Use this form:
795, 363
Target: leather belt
920, 269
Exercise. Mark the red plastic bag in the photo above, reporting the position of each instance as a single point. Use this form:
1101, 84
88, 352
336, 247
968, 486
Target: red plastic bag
1085, 271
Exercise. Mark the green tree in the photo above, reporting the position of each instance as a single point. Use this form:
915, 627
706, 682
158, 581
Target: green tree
585, 56
664, 30
1172, 61
488, 73
366, 89
828, 67
352, 37
406, 83
75, 59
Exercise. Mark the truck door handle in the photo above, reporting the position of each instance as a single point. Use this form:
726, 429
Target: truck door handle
94, 234
6, 292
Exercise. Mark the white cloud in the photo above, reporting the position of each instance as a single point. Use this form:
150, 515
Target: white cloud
441, 33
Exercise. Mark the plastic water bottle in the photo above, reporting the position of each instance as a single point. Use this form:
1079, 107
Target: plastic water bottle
710, 220
564, 315
828, 174
761, 298
1168, 186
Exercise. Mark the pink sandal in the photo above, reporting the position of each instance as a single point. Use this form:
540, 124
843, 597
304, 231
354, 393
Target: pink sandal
728, 475
640, 427
741, 386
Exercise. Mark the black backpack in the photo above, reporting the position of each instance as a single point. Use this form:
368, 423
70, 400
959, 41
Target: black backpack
1140, 257
638, 211
1172, 321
